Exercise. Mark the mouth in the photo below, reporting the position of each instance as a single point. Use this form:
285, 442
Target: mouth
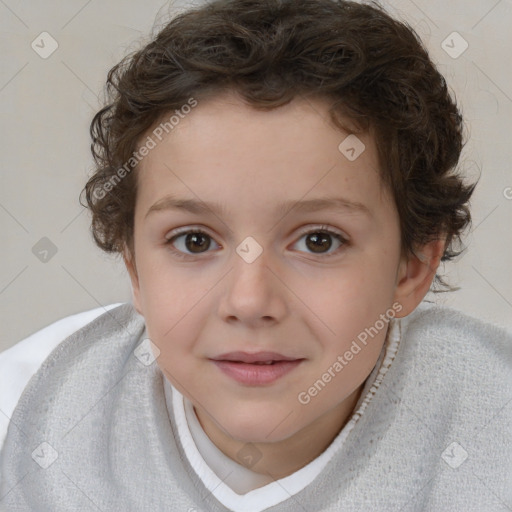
255, 358
256, 369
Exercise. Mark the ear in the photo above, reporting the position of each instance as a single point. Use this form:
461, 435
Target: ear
415, 275
129, 261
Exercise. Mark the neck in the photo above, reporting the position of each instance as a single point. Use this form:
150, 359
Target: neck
282, 458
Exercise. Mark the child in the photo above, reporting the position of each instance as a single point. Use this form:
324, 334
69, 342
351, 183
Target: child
287, 362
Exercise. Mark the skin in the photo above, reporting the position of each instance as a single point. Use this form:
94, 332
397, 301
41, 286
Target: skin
291, 299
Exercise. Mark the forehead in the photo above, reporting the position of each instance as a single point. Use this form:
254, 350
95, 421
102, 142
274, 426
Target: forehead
232, 154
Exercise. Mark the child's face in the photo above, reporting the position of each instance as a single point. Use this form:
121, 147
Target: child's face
300, 297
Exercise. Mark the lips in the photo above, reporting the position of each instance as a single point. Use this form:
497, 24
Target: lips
257, 369
255, 358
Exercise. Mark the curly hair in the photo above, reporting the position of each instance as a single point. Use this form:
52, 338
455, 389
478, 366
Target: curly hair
372, 69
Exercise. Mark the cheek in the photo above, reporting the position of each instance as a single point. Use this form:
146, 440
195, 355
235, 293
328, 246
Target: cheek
168, 290
175, 328
174, 305
348, 299
345, 313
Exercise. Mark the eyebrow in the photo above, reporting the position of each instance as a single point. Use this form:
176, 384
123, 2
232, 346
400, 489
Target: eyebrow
306, 206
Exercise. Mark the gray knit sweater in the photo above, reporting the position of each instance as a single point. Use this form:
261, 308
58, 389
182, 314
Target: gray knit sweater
93, 431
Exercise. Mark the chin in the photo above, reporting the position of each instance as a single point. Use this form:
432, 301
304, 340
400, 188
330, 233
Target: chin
259, 429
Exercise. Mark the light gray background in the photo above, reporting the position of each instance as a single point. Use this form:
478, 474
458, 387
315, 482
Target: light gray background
46, 106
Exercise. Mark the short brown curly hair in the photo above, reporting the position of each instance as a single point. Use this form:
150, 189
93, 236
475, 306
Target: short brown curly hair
371, 68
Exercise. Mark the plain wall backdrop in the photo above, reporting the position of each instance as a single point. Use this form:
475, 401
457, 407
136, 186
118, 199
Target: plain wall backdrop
50, 267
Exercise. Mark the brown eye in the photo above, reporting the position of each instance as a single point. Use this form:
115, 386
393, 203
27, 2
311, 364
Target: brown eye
318, 242
197, 242
190, 242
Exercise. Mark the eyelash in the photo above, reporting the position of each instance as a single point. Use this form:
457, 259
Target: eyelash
322, 229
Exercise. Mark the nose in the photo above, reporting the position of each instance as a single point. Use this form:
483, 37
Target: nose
252, 294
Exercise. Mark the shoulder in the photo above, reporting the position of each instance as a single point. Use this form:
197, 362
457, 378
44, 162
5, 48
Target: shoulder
20, 362
452, 329
459, 353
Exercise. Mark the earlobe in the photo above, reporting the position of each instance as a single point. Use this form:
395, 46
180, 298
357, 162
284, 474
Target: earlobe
415, 275
129, 261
